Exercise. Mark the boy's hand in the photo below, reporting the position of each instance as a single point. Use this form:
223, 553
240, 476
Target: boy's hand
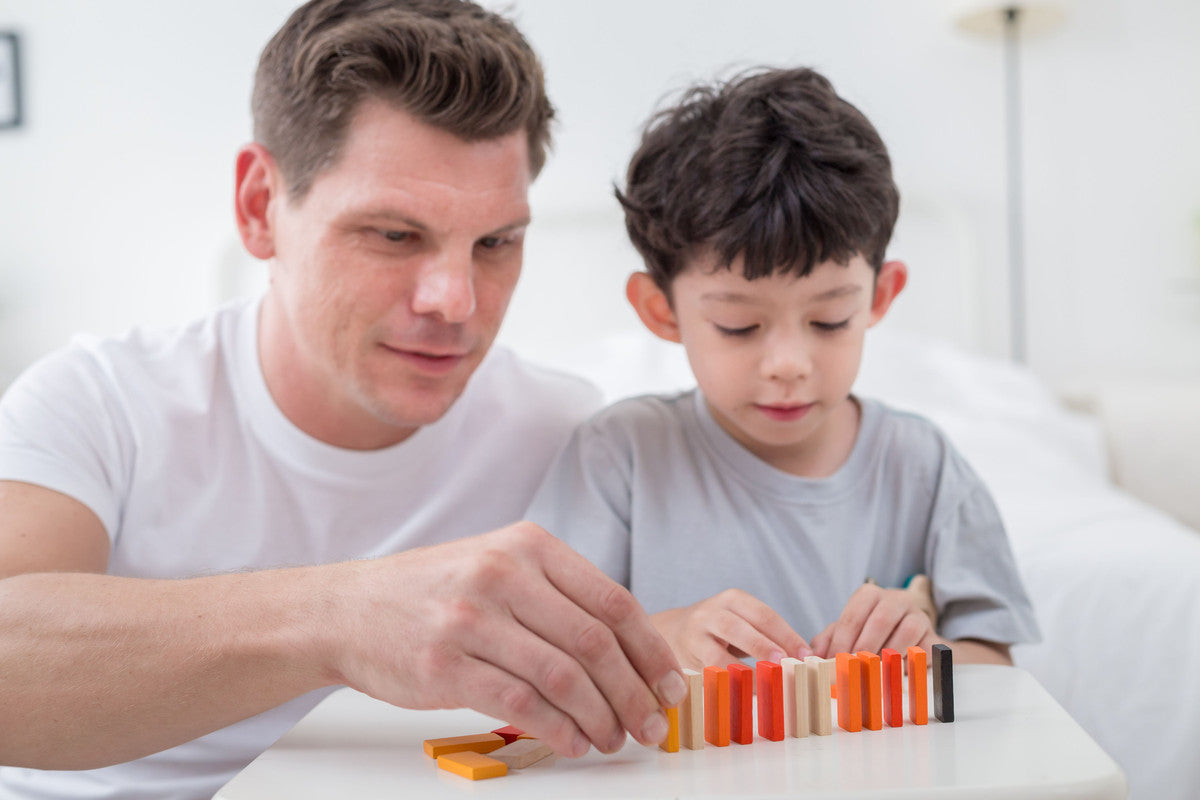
732, 624
875, 618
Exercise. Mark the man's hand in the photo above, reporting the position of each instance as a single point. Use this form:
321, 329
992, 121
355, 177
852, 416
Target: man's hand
732, 624
514, 624
875, 618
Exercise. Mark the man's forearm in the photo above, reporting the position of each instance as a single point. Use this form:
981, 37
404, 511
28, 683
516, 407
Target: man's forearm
96, 670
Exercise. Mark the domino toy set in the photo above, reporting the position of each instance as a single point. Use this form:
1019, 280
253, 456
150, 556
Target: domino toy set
793, 699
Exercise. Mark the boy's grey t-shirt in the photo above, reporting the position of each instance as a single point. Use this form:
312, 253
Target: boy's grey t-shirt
661, 498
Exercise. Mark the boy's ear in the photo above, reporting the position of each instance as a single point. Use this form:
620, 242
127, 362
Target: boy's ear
652, 306
254, 190
890, 281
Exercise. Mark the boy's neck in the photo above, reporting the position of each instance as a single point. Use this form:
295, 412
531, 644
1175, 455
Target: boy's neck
822, 453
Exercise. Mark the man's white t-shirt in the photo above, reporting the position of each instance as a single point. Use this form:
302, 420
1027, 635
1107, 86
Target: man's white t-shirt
173, 440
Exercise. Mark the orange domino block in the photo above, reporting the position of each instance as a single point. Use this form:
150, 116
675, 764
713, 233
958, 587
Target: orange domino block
769, 677
849, 692
671, 743
691, 712
475, 766
820, 676
918, 691
475, 743
893, 687
795, 697
716, 706
741, 703
872, 690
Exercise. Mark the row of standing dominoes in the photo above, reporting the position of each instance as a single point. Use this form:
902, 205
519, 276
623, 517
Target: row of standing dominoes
794, 697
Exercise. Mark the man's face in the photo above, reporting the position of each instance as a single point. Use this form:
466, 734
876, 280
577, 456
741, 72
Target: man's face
391, 276
776, 357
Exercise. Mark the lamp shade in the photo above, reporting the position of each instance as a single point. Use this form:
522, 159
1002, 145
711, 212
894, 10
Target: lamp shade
987, 17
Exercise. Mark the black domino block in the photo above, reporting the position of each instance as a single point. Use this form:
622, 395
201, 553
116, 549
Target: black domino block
943, 683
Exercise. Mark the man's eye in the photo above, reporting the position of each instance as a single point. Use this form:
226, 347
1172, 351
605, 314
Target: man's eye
397, 236
746, 331
830, 327
490, 242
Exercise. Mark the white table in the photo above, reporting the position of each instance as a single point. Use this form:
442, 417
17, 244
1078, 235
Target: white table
1010, 740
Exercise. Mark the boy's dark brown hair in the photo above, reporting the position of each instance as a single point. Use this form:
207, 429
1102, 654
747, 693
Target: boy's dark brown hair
771, 165
449, 63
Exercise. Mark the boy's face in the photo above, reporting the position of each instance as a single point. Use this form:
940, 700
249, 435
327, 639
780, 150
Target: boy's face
776, 357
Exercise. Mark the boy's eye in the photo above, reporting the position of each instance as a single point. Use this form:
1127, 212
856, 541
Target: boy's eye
746, 331
830, 327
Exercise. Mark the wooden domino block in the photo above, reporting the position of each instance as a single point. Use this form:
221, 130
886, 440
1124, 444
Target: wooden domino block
795, 697
849, 692
872, 690
691, 712
716, 706
470, 764
511, 733
741, 703
918, 696
522, 752
943, 683
671, 743
476, 743
820, 676
769, 678
893, 687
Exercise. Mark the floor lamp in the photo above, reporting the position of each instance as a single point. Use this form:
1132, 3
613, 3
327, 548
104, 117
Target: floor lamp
1010, 21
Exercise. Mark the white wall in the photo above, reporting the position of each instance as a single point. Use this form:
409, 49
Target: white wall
115, 198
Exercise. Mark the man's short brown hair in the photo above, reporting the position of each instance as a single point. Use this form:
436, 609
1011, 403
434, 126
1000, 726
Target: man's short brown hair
449, 63
772, 166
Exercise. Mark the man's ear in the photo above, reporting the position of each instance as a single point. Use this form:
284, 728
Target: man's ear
890, 281
255, 188
652, 306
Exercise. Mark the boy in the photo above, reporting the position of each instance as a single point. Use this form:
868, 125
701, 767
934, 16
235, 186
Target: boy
759, 510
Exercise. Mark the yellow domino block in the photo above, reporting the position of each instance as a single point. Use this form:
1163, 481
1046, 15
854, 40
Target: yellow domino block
477, 743
475, 766
671, 743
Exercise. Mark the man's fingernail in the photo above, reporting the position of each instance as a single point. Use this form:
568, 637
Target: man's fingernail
777, 656
672, 689
655, 729
803, 653
580, 747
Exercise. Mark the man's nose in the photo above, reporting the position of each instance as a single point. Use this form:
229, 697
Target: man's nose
446, 288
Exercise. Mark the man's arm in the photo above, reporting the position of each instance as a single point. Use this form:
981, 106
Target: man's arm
98, 669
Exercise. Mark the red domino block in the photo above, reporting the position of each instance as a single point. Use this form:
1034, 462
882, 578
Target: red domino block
849, 692
741, 703
510, 733
872, 690
716, 706
893, 687
770, 700
918, 693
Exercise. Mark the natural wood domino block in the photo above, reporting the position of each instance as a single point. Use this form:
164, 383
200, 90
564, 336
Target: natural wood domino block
769, 678
849, 692
716, 706
476, 743
820, 676
470, 764
741, 703
943, 683
918, 697
691, 712
893, 687
521, 753
872, 690
795, 697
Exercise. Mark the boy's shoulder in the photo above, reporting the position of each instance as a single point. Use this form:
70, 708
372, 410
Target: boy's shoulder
642, 420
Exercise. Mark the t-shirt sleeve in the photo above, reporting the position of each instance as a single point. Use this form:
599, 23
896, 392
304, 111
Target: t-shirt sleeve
61, 429
977, 586
585, 500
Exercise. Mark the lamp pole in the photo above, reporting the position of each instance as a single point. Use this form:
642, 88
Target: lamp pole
1016, 245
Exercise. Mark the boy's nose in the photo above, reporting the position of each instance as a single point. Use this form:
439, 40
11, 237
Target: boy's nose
445, 288
786, 361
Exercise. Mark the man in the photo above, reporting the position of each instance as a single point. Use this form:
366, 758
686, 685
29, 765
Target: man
203, 531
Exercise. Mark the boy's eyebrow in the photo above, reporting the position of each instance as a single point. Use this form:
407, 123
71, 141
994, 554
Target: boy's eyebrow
739, 297
839, 291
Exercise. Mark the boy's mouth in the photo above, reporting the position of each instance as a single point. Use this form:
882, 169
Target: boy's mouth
784, 412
